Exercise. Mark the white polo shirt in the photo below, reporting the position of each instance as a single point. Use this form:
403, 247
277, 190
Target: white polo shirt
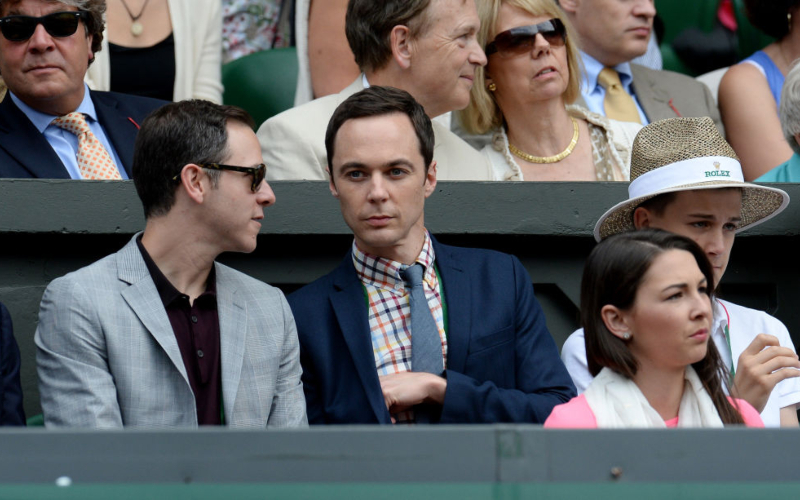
745, 325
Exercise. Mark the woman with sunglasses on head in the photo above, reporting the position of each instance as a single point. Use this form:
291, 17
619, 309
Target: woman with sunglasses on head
522, 97
166, 49
646, 313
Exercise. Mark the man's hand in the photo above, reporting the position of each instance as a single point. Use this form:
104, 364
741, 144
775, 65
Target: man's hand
761, 366
401, 391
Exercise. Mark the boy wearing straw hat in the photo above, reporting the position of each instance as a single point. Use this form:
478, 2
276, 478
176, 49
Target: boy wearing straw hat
686, 178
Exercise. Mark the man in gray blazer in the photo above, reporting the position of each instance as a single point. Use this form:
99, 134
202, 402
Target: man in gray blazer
428, 48
613, 33
158, 334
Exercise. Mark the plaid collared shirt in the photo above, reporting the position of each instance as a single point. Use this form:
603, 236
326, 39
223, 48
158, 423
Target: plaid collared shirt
390, 310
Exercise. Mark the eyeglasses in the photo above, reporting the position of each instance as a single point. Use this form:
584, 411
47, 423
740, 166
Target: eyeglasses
57, 24
518, 41
259, 172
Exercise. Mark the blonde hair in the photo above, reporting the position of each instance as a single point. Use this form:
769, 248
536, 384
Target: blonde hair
483, 114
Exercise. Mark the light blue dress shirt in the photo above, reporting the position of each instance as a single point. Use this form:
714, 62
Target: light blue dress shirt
64, 142
594, 94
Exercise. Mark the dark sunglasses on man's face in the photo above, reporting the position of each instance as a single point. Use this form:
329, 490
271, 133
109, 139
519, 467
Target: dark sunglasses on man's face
517, 41
57, 24
258, 172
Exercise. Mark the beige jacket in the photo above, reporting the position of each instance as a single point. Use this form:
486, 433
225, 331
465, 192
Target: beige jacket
293, 144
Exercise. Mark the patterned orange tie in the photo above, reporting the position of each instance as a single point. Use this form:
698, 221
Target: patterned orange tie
618, 103
94, 162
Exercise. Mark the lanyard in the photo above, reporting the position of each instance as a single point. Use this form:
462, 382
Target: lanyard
727, 331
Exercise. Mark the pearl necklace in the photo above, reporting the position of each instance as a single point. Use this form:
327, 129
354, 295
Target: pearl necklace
549, 159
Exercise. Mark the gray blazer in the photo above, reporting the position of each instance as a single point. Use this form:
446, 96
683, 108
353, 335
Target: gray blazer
107, 355
666, 94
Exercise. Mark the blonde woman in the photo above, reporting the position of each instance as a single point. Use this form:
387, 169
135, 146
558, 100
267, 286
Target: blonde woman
523, 97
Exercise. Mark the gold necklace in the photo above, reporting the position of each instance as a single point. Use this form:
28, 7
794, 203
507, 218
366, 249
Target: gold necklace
549, 159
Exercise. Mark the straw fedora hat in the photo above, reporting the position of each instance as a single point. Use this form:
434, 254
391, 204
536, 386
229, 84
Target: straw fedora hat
682, 154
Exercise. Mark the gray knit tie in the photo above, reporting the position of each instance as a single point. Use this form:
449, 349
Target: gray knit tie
426, 345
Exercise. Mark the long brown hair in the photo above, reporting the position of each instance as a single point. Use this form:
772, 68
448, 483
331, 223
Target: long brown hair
612, 275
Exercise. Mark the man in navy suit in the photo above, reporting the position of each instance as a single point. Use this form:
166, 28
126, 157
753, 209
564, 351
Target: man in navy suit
11, 412
45, 49
496, 360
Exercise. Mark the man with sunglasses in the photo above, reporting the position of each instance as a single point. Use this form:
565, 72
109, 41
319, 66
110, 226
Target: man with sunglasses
428, 48
613, 33
51, 124
159, 334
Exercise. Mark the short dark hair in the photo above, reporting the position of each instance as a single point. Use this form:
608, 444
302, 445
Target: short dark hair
173, 136
95, 23
612, 276
369, 23
770, 15
377, 101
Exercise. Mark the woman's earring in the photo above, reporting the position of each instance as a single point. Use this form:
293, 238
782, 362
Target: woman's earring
492, 87
626, 336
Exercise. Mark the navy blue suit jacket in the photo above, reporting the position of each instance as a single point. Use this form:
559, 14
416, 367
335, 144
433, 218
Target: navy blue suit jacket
25, 152
11, 412
502, 363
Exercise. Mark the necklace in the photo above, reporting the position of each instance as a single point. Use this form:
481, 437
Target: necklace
549, 159
136, 26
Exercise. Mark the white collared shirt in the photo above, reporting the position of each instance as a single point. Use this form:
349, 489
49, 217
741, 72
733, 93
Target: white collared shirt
594, 94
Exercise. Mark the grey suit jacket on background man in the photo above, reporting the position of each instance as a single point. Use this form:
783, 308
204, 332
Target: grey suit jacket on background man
614, 32
435, 64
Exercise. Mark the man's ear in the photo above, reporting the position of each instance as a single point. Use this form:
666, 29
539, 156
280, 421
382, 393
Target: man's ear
400, 41
193, 182
642, 218
616, 321
89, 39
331, 185
430, 179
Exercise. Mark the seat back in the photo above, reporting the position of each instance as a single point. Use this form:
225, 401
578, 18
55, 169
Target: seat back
263, 83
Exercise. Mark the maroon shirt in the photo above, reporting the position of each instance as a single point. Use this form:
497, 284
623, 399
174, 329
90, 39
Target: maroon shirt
196, 328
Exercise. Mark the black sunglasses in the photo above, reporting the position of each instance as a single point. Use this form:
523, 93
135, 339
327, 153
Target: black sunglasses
258, 172
517, 41
57, 24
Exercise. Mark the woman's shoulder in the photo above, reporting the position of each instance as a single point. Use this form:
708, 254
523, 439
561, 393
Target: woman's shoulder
575, 414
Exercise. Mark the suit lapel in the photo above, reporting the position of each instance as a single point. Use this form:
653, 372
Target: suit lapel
119, 128
232, 339
27, 145
457, 296
350, 308
145, 302
651, 97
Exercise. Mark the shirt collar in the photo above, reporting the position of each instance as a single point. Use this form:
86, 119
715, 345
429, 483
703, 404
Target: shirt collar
593, 67
385, 273
43, 120
166, 290
720, 316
